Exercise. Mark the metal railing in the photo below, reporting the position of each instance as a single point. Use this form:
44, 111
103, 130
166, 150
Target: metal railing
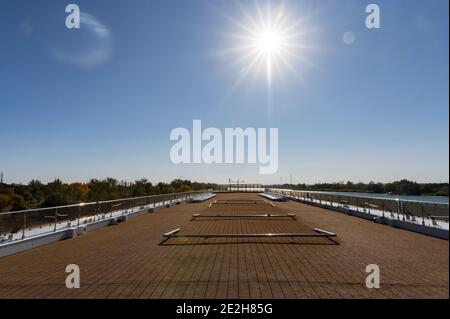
27, 223
316, 233
245, 216
421, 212
239, 187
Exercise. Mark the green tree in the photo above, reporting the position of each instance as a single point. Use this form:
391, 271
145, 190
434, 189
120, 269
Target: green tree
55, 199
5, 201
17, 203
184, 188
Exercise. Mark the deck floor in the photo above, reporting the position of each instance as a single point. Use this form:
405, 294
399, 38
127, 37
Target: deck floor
129, 261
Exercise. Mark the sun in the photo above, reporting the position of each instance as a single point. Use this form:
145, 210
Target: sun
268, 44
266, 41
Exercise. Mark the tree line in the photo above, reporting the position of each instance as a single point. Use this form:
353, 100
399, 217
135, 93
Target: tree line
35, 194
402, 187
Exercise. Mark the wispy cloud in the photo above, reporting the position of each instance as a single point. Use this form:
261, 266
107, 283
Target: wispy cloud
89, 56
95, 25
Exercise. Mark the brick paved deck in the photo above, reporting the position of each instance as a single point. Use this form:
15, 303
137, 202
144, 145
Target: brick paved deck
128, 260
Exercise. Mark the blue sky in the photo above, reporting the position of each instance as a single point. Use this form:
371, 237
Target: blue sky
75, 105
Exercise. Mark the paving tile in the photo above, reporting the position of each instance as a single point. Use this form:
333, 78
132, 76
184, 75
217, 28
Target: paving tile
129, 261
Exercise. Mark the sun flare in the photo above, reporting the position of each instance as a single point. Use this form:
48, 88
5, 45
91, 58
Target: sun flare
268, 41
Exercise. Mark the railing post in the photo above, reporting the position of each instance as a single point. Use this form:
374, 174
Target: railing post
24, 225
79, 214
423, 214
56, 219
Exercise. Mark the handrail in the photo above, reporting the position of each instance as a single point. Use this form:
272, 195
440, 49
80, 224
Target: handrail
337, 193
98, 202
26, 223
375, 206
